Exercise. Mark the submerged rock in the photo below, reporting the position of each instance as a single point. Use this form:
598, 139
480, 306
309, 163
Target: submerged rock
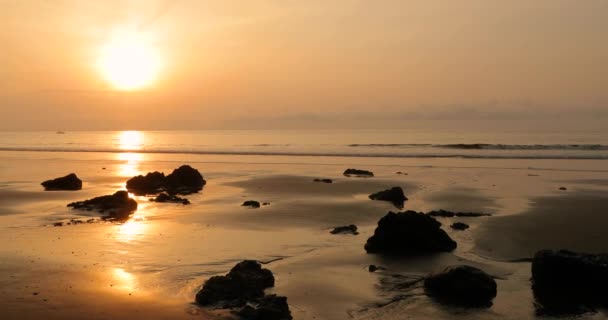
69, 182
270, 307
569, 282
323, 180
358, 173
409, 233
352, 229
117, 206
246, 281
459, 226
451, 214
164, 197
251, 204
183, 180
394, 195
461, 285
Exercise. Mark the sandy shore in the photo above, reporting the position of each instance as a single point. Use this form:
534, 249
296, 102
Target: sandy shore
152, 266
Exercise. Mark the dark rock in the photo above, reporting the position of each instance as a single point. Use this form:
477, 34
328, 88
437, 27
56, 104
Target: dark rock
164, 197
352, 229
119, 206
409, 233
450, 214
394, 195
58, 224
568, 282
323, 180
266, 203
246, 281
358, 173
462, 285
251, 203
563, 188
270, 307
374, 268
183, 180
151, 183
459, 226
69, 182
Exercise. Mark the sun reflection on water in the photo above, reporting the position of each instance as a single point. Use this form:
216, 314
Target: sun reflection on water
124, 280
131, 140
130, 230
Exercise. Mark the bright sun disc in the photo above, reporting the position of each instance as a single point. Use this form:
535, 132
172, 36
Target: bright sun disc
129, 64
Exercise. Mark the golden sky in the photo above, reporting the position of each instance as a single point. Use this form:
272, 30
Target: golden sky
258, 63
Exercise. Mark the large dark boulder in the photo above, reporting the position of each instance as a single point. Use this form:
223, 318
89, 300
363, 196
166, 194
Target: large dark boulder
394, 195
117, 206
270, 307
69, 182
409, 233
151, 183
568, 282
358, 173
246, 281
183, 180
461, 285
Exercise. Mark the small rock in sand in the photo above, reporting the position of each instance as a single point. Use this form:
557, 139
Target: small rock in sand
352, 229
409, 233
58, 224
394, 195
459, 226
323, 180
266, 203
358, 173
69, 182
462, 285
164, 197
251, 204
563, 188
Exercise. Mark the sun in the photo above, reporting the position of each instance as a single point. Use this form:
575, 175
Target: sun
129, 63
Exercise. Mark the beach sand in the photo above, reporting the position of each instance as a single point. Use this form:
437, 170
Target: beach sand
152, 266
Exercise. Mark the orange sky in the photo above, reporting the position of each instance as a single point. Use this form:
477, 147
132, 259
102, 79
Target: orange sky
233, 64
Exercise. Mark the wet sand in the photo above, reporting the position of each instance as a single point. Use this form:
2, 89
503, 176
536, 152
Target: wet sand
152, 266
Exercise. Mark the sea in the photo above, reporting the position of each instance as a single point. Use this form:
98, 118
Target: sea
395, 143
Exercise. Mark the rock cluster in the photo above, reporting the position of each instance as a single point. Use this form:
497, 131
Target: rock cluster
183, 180
243, 287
